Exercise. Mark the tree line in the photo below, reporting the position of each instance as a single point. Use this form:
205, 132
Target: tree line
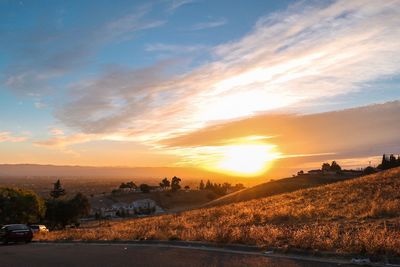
220, 189
389, 161
25, 206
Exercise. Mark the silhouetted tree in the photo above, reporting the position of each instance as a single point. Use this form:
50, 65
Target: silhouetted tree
57, 191
131, 185
240, 186
165, 183
175, 184
208, 185
335, 167
369, 170
187, 187
392, 161
389, 162
326, 167
201, 186
384, 164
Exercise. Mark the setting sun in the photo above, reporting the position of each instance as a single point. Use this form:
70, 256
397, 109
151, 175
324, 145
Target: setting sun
246, 159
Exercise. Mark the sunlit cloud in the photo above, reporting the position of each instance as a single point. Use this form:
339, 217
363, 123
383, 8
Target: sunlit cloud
56, 131
9, 137
301, 55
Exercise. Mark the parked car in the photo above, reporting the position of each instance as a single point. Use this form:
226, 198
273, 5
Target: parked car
38, 228
15, 233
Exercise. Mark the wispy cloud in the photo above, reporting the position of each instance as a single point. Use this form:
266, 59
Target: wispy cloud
173, 48
297, 56
9, 137
175, 4
56, 131
209, 24
47, 52
63, 141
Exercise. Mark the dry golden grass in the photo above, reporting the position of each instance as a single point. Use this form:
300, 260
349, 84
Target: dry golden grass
355, 216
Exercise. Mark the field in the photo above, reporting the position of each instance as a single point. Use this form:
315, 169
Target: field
355, 216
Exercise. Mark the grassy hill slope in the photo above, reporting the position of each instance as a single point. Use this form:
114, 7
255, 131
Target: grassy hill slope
354, 216
285, 185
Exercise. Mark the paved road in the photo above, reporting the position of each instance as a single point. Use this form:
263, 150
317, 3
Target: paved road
81, 254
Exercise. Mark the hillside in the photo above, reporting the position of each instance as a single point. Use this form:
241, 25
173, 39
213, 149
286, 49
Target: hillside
361, 215
285, 185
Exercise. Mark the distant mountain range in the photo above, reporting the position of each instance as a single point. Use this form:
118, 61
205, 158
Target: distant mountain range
16, 170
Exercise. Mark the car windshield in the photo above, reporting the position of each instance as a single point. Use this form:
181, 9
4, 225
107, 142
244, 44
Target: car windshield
17, 227
34, 226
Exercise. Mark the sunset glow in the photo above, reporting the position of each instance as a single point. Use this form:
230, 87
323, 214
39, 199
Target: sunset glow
246, 160
184, 83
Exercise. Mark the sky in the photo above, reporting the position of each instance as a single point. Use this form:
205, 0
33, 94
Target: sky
241, 88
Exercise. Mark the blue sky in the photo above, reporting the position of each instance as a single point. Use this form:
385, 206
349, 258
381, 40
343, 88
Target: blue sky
75, 73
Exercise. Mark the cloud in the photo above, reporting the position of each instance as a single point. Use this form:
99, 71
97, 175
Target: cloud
40, 105
175, 4
63, 141
172, 48
9, 137
209, 24
47, 52
368, 130
131, 23
353, 137
56, 131
304, 55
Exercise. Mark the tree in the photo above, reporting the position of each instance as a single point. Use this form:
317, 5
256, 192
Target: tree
369, 170
384, 164
131, 185
201, 186
326, 167
335, 167
187, 187
57, 191
20, 206
241, 186
392, 161
165, 183
208, 185
123, 185
145, 188
63, 212
175, 184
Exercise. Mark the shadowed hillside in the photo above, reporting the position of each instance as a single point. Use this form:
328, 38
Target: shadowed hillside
355, 216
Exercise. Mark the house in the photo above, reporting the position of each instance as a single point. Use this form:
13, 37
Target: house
114, 209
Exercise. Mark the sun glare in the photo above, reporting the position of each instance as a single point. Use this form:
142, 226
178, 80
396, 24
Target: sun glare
246, 159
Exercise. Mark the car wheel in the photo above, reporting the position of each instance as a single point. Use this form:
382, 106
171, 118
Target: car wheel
28, 241
5, 241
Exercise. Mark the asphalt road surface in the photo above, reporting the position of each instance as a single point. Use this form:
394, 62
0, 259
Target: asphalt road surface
58, 255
